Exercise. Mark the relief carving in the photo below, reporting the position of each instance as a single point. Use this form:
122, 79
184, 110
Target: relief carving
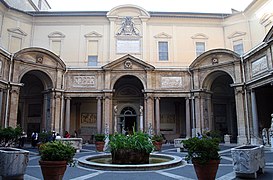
88, 118
84, 81
128, 27
259, 66
171, 82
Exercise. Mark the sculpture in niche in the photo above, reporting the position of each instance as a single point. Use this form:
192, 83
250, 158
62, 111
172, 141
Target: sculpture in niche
128, 27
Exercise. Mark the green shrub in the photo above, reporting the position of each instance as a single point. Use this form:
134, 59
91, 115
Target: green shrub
57, 151
157, 138
99, 137
9, 136
45, 136
202, 150
137, 141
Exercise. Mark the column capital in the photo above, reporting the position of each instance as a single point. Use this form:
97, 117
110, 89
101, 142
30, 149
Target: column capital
68, 98
99, 97
157, 98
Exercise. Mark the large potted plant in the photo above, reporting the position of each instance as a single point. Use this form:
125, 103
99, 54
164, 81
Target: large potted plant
13, 161
54, 159
203, 152
130, 149
157, 141
99, 142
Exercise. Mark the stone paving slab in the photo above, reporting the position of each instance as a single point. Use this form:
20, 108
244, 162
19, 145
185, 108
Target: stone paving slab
183, 172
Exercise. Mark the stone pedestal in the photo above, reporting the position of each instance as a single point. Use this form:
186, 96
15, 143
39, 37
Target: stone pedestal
248, 160
178, 142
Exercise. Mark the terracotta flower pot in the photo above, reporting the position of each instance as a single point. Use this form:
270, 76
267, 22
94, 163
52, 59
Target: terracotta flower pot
53, 170
99, 145
158, 145
206, 171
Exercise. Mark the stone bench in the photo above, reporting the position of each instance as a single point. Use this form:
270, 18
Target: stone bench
75, 142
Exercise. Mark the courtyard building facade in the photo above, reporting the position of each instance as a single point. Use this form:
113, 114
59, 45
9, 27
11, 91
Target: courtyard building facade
129, 69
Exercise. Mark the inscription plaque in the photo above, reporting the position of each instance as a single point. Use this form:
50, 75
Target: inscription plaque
128, 46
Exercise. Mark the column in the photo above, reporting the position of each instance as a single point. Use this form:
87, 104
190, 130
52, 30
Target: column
67, 114
57, 112
255, 128
188, 123
197, 114
14, 98
98, 114
242, 122
157, 114
149, 111
108, 112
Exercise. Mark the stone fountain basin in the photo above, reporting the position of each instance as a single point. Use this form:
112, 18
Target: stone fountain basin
171, 161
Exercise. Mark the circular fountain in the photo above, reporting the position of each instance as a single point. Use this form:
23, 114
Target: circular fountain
104, 162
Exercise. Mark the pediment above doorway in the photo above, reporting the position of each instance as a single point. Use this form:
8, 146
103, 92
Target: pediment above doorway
128, 63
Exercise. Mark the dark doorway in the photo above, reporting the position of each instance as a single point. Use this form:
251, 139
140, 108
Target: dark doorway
130, 123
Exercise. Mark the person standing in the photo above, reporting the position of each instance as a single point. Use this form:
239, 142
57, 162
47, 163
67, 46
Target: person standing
66, 135
22, 139
34, 139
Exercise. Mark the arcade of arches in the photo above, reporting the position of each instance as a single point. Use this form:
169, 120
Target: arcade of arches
140, 99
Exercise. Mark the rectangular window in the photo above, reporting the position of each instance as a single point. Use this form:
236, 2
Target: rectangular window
92, 51
199, 48
238, 47
163, 53
56, 47
92, 60
15, 44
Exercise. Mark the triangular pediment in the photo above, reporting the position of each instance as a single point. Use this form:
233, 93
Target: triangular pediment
269, 36
17, 31
128, 63
199, 36
93, 34
236, 34
163, 35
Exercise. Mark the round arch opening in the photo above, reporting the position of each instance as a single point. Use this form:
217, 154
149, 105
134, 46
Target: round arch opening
128, 100
223, 107
34, 102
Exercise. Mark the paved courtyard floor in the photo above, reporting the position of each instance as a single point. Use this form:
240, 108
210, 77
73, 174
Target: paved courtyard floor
183, 172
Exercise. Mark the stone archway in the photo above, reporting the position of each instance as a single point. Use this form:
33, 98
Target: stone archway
128, 98
34, 102
223, 108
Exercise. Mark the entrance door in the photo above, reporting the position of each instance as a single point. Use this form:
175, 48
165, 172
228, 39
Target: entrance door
129, 120
130, 124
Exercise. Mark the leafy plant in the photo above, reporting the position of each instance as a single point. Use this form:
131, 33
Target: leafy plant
57, 151
99, 137
9, 136
202, 150
45, 136
137, 141
157, 138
